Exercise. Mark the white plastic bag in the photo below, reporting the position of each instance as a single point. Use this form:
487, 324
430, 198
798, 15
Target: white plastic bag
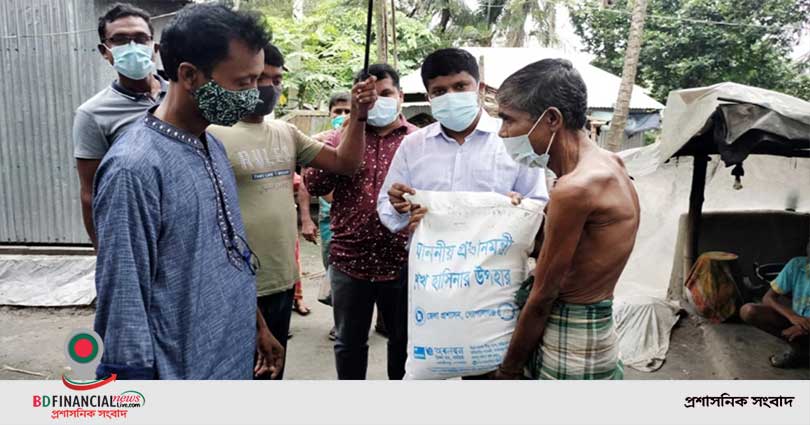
467, 259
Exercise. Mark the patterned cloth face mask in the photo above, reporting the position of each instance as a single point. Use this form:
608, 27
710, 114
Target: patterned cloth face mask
221, 106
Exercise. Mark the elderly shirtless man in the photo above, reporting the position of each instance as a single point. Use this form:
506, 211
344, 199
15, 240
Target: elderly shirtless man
565, 330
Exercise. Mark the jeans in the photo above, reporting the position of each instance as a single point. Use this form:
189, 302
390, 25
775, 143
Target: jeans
353, 305
325, 244
277, 310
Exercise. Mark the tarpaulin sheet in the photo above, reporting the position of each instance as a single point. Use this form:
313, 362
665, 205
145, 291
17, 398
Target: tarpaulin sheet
637, 123
770, 183
742, 109
47, 280
644, 325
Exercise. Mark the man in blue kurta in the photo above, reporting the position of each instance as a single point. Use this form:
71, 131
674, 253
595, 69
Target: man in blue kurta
174, 276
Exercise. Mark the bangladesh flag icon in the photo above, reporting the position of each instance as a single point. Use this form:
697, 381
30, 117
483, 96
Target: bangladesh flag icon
83, 350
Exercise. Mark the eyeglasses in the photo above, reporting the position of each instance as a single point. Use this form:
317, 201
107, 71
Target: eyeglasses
245, 254
122, 39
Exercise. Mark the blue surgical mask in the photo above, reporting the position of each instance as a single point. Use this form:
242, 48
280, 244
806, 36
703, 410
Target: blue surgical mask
133, 60
338, 121
384, 112
521, 150
455, 111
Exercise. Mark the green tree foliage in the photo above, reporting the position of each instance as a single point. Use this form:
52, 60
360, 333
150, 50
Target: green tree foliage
453, 20
511, 24
680, 54
459, 24
325, 49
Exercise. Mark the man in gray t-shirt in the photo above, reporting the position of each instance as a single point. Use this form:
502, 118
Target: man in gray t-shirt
125, 35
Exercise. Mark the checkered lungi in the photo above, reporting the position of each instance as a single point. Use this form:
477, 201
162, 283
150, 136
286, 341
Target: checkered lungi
579, 342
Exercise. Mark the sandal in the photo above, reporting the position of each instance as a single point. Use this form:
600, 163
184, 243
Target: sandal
300, 308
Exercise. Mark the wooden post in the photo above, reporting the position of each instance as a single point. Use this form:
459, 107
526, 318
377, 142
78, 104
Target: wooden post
481, 68
482, 94
382, 32
700, 164
298, 10
622, 108
394, 52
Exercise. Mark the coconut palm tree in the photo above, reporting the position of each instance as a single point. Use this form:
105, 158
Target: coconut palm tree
622, 107
511, 18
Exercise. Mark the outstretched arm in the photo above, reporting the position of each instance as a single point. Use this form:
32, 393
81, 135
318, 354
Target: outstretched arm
347, 157
317, 181
392, 208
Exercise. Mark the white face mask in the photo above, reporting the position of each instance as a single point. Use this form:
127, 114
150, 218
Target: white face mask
521, 150
455, 111
384, 112
133, 60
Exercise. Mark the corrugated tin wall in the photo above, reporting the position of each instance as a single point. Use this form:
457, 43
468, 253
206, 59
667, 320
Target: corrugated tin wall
48, 66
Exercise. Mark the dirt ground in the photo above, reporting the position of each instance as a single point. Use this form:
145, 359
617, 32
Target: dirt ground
32, 341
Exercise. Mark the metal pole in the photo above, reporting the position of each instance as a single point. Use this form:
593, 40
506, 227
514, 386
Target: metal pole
363, 114
368, 36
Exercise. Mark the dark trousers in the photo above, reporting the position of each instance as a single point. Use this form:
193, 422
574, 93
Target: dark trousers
353, 305
277, 311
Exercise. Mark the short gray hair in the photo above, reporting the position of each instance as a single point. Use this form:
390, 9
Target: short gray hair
546, 83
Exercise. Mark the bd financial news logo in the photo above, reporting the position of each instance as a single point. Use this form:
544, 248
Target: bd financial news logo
83, 350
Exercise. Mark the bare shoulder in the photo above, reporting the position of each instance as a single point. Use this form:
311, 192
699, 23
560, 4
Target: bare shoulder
591, 173
570, 190
596, 173
613, 156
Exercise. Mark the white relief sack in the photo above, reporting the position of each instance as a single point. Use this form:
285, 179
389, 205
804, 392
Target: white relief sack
467, 259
